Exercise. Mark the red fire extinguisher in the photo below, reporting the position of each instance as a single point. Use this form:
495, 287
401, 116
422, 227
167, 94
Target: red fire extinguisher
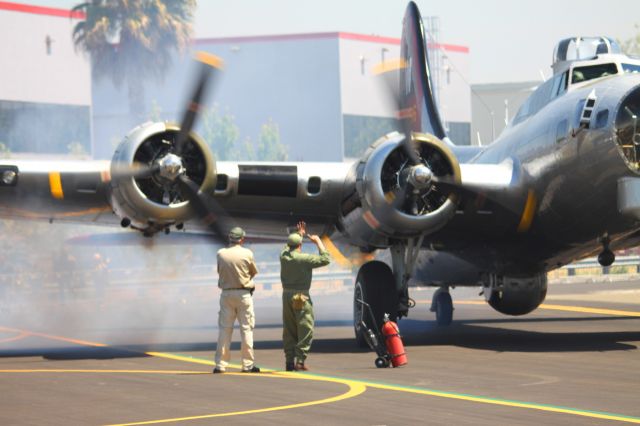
395, 347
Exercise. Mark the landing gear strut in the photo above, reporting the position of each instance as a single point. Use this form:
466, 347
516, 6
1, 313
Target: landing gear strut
384, 289
442, 305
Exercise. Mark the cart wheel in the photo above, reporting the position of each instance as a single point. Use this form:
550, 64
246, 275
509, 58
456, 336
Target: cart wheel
381, 362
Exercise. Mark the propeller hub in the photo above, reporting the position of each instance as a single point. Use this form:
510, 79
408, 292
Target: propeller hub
170, 166
420, 176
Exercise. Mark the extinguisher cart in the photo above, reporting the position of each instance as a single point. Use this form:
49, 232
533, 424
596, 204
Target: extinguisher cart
374, 338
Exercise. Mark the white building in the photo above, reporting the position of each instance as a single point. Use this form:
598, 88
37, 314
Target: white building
45, 89
494, 105
318, 88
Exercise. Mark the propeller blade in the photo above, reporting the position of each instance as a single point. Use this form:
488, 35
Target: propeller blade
209, 64
135, 170
389, 73
207, 208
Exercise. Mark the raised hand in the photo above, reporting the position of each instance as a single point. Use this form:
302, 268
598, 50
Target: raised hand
302, 228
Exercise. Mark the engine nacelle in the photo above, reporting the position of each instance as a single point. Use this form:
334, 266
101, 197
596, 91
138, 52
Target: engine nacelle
515, 296
154, 201
372, 215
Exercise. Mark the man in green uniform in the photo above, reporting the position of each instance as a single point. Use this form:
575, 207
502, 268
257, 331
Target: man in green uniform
297, 308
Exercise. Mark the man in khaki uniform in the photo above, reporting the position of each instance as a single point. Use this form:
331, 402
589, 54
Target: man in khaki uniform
297, 308
236, 269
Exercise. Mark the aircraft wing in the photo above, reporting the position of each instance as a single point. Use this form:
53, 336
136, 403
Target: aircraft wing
55, 190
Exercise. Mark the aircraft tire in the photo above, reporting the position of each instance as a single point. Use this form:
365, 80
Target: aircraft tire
444, 309
375, 285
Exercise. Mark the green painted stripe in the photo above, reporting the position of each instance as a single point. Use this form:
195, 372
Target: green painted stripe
473, 398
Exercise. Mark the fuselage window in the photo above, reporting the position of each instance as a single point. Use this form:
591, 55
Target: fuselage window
580, 74
631, 68
602, 118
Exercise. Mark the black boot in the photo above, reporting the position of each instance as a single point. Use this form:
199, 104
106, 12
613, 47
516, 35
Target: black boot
289, 366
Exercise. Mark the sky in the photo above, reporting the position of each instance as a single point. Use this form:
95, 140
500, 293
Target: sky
508, 40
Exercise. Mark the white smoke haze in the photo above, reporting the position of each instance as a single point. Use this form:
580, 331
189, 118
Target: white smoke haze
116, 295
136, 297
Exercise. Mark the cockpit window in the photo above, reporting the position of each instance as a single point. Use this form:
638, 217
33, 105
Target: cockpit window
580, 74
631, 68
544, 94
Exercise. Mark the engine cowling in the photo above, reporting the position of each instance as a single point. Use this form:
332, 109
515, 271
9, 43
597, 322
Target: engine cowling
515, 295
374, 214
155, 201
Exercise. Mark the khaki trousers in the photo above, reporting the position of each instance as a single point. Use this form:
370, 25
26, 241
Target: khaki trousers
235, 304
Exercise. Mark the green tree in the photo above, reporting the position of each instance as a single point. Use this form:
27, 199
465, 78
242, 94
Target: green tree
269, 146
362, 131
221, 133
632, 46
130, 41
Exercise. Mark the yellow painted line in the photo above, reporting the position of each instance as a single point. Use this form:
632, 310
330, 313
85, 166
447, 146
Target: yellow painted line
503, 402
180, 358
355, 389
55, 184
528, 212
50, 336
590, 310
209, 59
582, 309
92, 371
39, 215
20, 336
408, 389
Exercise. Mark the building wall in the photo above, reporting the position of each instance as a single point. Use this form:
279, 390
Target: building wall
494, 105
317, 88
292, 81
45, 89
454, 91
29, 72
367, 109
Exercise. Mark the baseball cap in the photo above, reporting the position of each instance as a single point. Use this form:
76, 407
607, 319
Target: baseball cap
236, 234
294, 240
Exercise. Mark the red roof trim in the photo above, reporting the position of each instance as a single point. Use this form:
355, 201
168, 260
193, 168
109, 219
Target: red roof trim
310, 36
40, 10
371, 38
265, 38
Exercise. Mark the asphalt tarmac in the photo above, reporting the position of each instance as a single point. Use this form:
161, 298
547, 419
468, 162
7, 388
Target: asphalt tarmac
147, 359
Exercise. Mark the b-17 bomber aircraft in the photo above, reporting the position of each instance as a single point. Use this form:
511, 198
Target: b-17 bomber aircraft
561, 183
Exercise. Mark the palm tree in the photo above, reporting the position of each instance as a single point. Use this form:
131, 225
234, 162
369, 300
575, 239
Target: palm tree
129, 41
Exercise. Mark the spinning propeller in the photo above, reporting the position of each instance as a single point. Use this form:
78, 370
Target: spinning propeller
167, 169
416, 179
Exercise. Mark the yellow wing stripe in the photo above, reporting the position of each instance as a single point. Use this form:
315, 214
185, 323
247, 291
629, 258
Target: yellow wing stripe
55, 184
528, 212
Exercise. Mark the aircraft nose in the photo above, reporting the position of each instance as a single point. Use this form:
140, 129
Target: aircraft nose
627, 128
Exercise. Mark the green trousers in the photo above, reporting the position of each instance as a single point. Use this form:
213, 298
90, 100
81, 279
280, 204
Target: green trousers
297, 331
